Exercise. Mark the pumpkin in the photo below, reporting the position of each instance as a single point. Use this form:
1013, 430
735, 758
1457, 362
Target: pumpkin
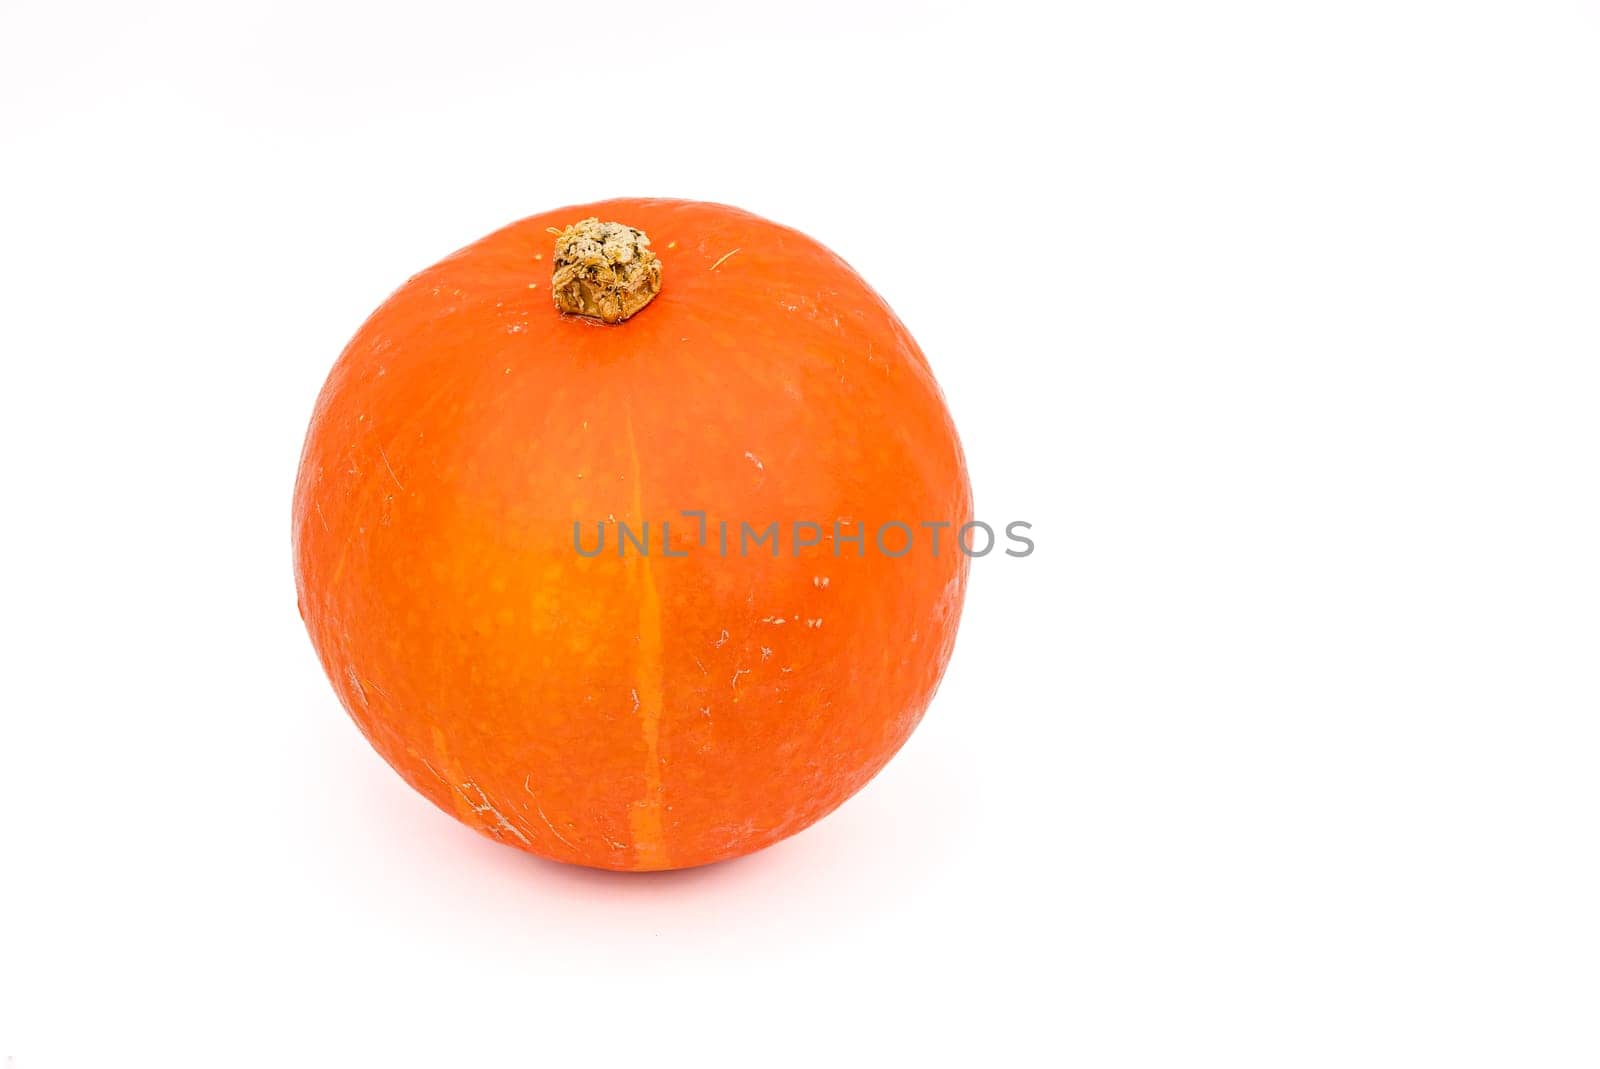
664, 380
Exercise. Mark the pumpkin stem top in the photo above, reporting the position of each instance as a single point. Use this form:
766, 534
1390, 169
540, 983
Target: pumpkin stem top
605, 271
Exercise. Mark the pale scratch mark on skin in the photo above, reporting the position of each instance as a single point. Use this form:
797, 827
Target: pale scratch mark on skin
537, 808
723, 259
702, 667
717, 645
752, 458
323, 518
487, 806
355, 684
765, 653
820, 582
773, 620
392, 475
816, 623
737, 673
705, 711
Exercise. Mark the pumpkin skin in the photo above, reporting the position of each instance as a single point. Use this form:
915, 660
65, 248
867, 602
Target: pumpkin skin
632, 711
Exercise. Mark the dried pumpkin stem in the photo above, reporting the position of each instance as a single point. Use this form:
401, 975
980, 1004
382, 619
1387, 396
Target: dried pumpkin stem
605, 271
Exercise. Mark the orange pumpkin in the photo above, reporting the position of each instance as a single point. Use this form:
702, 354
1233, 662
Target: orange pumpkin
664, 702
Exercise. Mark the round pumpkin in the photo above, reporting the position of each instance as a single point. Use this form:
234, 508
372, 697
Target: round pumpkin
622, 543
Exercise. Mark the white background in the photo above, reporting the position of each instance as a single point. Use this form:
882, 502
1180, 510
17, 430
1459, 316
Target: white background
1280, 751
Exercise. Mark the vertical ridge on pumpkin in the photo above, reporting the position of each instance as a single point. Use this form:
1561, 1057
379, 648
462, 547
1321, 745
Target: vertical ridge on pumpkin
649, 846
